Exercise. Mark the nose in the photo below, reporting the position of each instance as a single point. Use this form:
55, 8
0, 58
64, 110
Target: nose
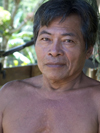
56, 49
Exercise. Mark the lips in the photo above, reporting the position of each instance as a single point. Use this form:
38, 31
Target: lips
55, 65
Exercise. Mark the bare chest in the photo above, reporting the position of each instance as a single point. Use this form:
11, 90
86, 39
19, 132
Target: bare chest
33, 115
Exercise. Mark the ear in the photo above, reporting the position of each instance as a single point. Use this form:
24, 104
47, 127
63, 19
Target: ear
89, 52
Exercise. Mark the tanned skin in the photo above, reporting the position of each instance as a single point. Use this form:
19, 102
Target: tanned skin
62, 99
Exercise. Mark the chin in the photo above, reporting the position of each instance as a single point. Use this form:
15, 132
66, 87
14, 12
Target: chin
55, 77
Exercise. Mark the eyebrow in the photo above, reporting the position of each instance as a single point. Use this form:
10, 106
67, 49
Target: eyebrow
64, 34
44, 32
68, 34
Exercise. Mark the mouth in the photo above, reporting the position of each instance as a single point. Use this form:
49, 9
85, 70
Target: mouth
55, 65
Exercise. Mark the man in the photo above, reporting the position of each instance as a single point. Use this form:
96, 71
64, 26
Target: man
62, 99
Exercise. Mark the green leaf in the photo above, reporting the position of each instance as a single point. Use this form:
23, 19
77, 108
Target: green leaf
5, 18
15, 42
21, 57
17, 19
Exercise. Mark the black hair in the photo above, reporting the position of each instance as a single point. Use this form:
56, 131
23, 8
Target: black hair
52, 9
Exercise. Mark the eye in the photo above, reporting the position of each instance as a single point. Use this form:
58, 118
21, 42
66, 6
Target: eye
68, 41
45, 39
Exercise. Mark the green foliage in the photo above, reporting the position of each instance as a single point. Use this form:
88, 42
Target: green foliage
19, 37
5, 18
17, 19
0, 2
27, 55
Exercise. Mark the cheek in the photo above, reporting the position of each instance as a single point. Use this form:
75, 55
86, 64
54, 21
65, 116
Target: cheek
76, 57
40, 55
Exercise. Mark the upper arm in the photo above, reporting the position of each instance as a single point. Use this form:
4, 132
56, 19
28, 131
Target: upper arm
4, 99
7, 94
1, 112
1, 129
96, 99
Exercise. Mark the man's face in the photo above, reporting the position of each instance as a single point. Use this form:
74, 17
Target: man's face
60, 49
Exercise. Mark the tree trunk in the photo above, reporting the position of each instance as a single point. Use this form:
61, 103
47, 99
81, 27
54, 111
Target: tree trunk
4, 48
5, 4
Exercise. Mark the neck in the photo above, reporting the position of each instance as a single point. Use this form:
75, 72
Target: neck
62, 85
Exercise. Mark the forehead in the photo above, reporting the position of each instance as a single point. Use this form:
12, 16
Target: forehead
71, 24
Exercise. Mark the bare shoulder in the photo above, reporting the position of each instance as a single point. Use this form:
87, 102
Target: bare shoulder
89, 83
94, 90
14, 90
34, 81
17, 87
93, 87
6, 94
